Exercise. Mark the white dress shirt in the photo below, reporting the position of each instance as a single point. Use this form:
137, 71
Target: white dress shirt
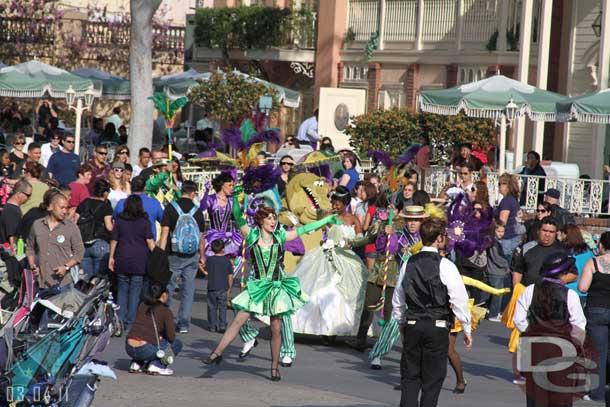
308, 130
46, 152
577, 317
451, 278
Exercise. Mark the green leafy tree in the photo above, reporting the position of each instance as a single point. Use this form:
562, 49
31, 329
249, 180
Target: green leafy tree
229, 96
395, 129
245, 27
253, 27
388, 130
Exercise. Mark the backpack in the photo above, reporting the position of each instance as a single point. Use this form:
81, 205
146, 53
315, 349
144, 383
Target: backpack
87, 225
185, 237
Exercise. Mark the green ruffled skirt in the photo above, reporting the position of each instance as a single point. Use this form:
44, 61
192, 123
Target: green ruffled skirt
271, 298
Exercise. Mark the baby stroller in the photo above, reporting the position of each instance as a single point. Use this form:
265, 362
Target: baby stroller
55, 367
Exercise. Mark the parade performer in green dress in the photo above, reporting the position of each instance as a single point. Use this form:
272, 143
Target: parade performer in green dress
269, 292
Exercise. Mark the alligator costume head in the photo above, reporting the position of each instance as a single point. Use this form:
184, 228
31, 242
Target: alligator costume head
306, 198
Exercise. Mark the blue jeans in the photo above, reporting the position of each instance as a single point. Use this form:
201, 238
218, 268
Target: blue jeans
148, 353
497, 303
185, 267
509, 246
598, 324
95, 260
217, 309
128, 297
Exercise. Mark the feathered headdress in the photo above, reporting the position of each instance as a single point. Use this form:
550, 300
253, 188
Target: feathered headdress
247, 143
259, 178
466, 233
394, 178
409, 154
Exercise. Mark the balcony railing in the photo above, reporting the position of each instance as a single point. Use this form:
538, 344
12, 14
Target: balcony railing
479, 20
301, 30
26, 31
101, 34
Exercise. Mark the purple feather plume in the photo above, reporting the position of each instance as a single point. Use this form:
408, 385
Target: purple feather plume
260, 178
477, 231
381, 157
232, 137
409, 154
271, 136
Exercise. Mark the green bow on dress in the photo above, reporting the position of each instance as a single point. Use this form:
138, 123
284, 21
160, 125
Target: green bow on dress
260, 289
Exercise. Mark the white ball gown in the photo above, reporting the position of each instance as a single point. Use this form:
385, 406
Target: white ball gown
334, 278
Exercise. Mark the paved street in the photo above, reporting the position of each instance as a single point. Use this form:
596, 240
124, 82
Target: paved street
321, 375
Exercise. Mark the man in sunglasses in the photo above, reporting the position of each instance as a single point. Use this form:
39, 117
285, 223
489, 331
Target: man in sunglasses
100, 167
64, 164
50, 148
33, 156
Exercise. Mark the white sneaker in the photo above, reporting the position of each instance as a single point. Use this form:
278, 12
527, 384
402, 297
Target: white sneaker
497, 318
161, 371
135, 367
376, 363
286, 361
519, 381
248, 346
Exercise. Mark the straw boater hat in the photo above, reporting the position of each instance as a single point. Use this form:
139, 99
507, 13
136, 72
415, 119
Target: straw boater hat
414, 212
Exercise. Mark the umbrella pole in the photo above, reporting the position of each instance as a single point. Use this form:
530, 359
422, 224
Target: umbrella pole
502, 162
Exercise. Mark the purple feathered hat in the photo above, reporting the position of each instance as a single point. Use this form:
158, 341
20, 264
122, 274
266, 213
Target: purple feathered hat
466, 233
259, 178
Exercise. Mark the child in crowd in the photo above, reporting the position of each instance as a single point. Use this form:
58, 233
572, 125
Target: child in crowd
152, 343
219, 271
498, 272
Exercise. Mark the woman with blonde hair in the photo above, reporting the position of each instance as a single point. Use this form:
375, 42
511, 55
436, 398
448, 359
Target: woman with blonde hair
17, 155
120, 188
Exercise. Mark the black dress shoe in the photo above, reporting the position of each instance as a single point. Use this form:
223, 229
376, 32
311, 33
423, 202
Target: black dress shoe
275, 375
214, 358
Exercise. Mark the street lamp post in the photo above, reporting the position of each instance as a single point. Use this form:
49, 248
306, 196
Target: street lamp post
506, 119
265, 105
71, 97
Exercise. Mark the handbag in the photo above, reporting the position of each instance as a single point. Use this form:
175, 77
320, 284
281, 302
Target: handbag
165, 356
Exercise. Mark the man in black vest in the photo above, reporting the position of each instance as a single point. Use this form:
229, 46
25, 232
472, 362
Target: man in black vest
431, 293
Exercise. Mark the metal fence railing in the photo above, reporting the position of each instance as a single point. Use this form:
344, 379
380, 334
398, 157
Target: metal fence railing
579, 196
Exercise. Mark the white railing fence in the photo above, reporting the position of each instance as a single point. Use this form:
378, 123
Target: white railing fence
579, 196
479, 19
400, 20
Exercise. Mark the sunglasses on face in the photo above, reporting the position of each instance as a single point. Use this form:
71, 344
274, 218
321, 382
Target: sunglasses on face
287, 163
118, 169
28, 195
69, 141
102, 152
20, 143
541, 210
